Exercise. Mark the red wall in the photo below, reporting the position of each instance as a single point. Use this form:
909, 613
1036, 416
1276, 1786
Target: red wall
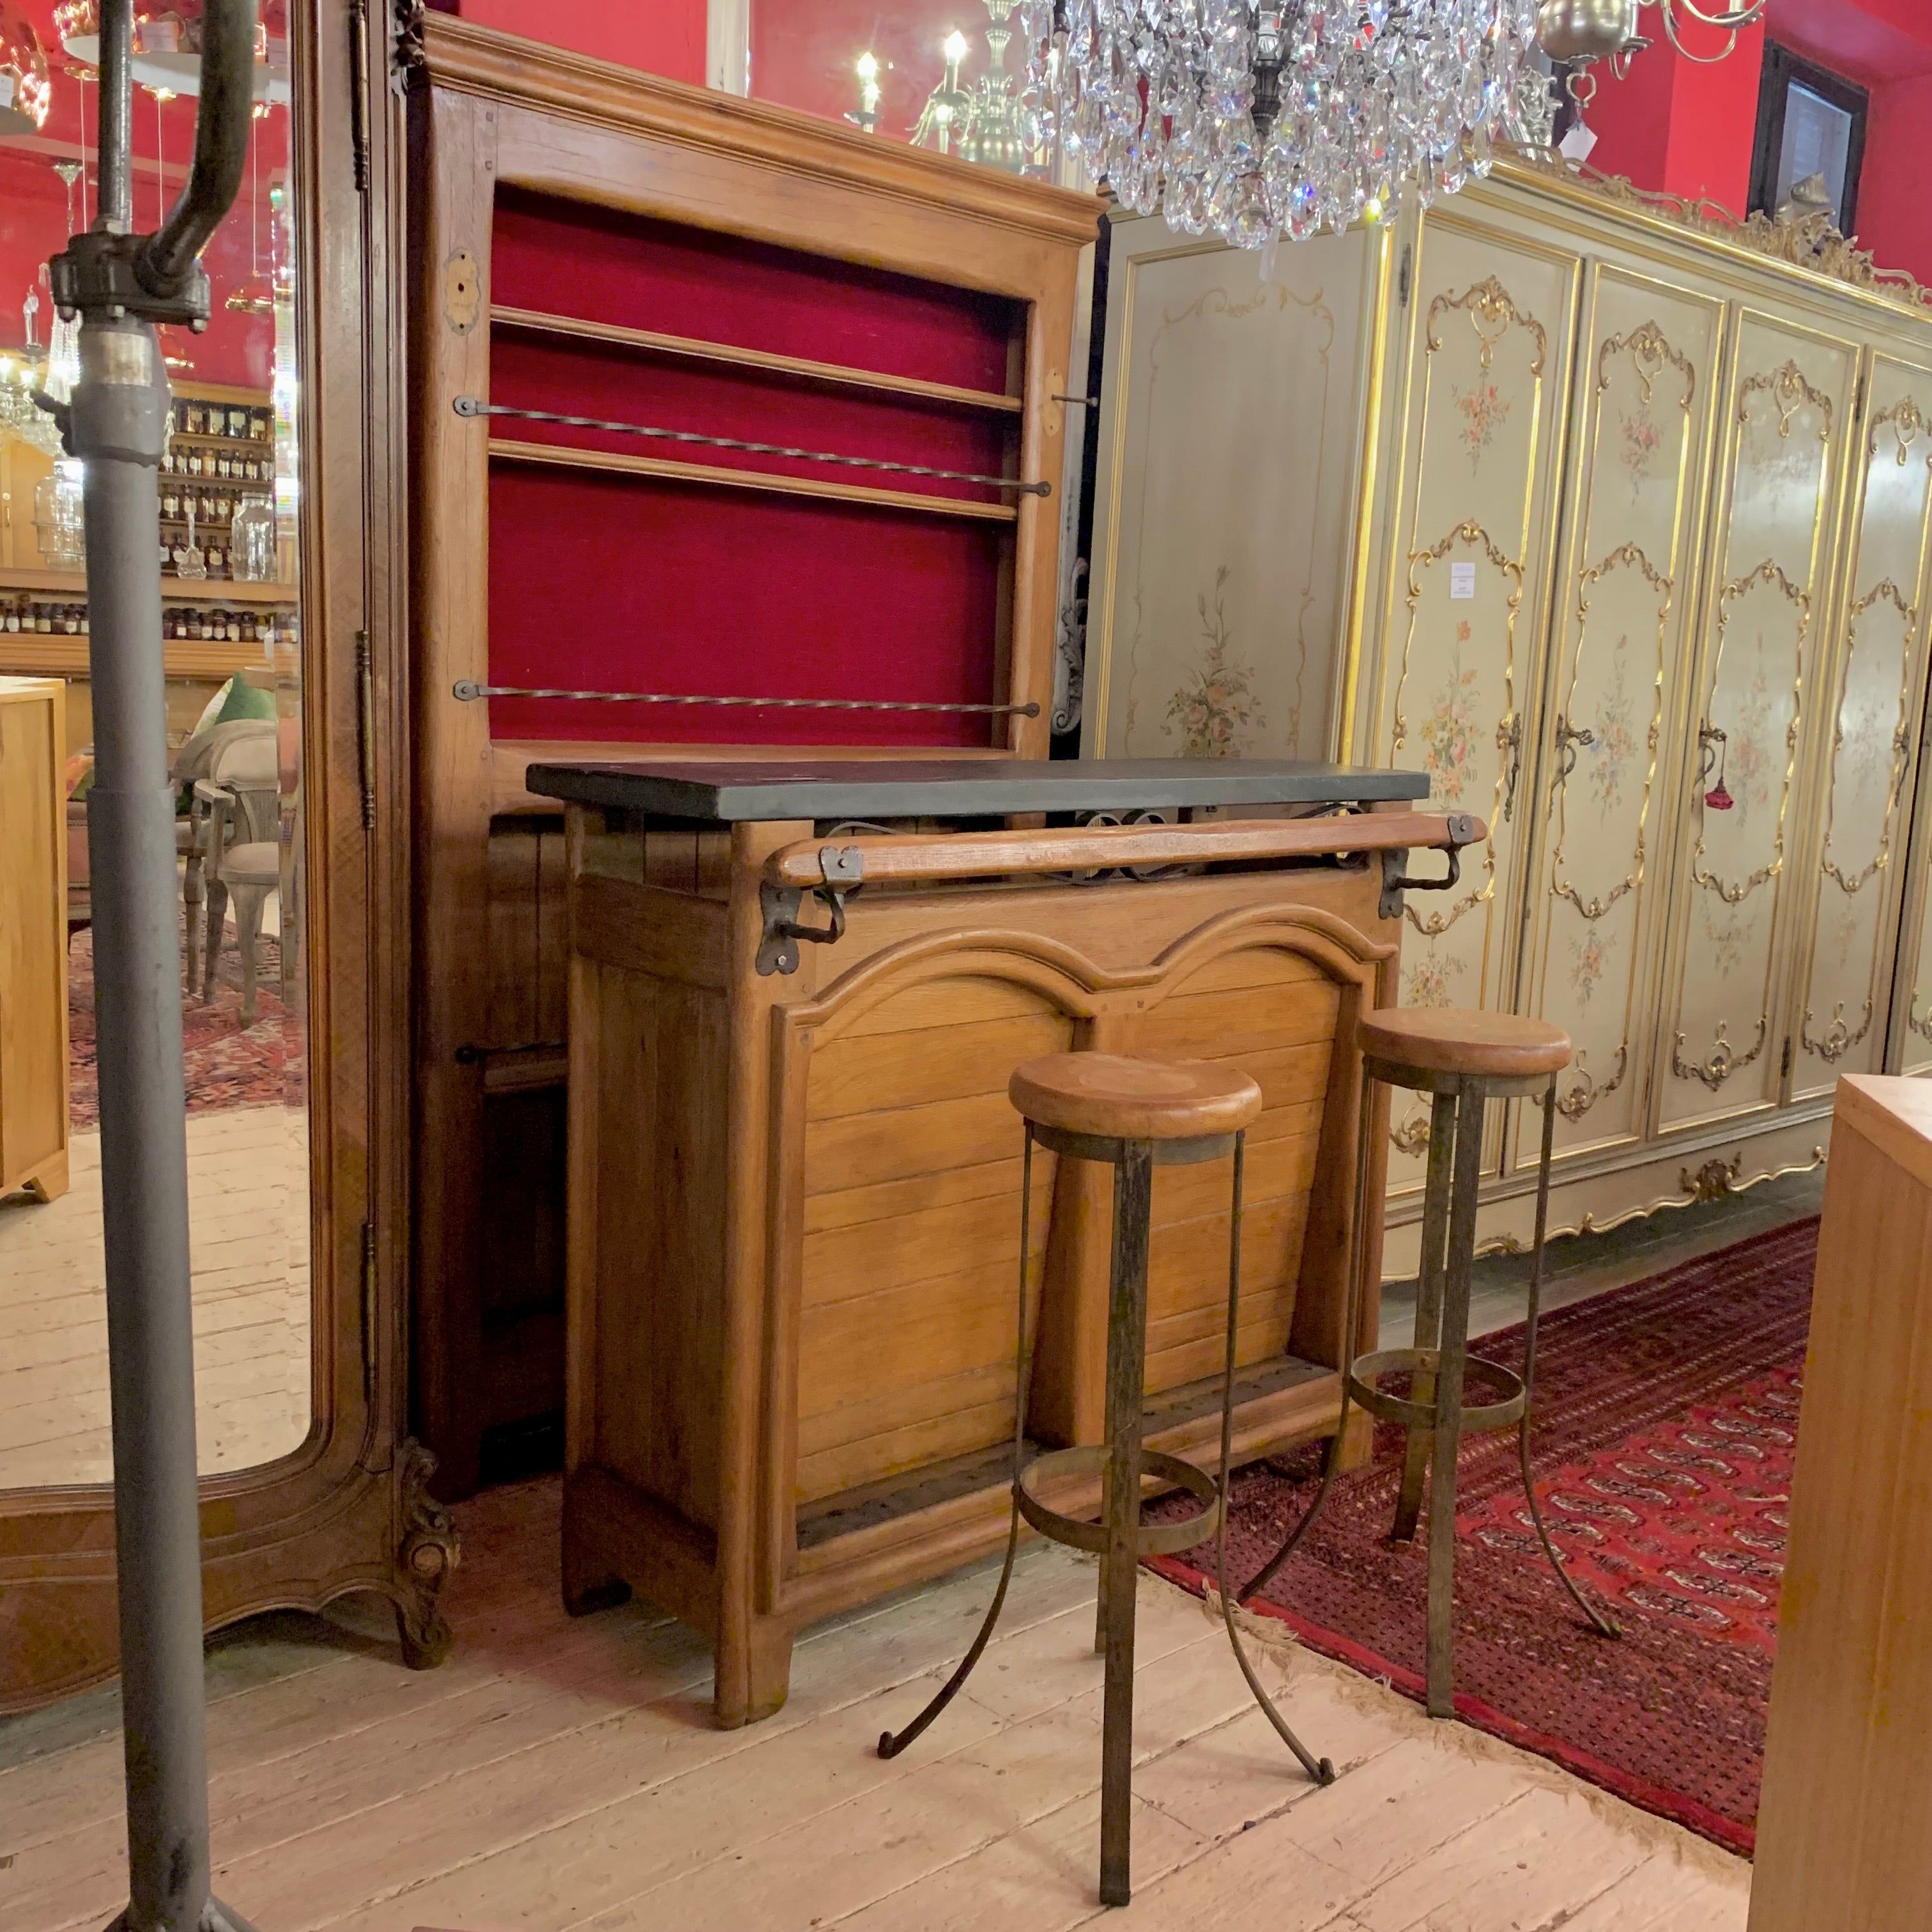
1688, 130
237, 349
1895, 189
663, 37
1680, 125
1886, 45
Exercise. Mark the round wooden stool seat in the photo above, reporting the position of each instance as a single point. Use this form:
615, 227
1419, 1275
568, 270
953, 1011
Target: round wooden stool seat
1111, 1096
1460, 1040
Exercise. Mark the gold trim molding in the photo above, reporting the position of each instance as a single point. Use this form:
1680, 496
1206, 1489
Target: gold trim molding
1901, 742
1725, 1060
1491, 309
1809, 241
1787, 388
1651, 352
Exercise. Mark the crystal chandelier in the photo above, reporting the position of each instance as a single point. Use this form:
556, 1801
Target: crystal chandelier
1257, 121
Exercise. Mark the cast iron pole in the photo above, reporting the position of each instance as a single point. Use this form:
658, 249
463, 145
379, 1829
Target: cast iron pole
121, 285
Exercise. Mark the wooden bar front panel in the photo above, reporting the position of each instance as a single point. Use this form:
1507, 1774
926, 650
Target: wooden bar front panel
795, 1211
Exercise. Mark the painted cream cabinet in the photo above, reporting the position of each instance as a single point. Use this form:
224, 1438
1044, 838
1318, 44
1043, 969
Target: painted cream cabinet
1633, 559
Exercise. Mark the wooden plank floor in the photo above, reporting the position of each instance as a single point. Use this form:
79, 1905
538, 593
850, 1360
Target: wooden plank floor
248, 1204
565, 1774
558, 1774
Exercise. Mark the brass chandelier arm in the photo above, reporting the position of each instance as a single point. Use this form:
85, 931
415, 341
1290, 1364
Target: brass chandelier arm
1730, 22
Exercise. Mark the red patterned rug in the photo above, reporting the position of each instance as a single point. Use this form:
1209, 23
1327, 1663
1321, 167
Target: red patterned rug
1666, 1419
227, 1064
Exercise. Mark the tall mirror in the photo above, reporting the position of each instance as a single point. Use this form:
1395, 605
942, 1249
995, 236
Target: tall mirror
230, 648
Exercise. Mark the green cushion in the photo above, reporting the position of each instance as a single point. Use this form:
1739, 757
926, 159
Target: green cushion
236, 699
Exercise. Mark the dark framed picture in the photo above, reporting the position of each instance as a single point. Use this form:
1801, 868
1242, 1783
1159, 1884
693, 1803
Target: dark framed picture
1811, 137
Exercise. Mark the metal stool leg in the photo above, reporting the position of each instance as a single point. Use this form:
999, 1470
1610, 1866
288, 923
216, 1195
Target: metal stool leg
1448, 1433
1442, 1129
1322, 1770
1601, 1620
1126, 1380
891, 1743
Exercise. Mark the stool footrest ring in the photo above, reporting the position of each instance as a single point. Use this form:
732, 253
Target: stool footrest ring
1364, 1370
1154, 1539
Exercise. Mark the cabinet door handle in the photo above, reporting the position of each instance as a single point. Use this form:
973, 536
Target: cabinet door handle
1568, 737
1509, 738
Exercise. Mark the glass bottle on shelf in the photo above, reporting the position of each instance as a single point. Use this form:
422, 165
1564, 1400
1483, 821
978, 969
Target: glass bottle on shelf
190, 561
251, 540
60, 517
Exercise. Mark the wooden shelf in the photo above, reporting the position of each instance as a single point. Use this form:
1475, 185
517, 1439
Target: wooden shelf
564, 456
63, 654
17, 579
695, 349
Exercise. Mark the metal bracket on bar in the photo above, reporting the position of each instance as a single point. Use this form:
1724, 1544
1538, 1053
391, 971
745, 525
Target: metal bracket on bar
842, 868
1464, 830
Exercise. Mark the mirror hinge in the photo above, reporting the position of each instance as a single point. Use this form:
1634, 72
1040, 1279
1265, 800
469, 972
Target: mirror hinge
369, 1311
1402, 280
358, 89
1784, 1067
365, 726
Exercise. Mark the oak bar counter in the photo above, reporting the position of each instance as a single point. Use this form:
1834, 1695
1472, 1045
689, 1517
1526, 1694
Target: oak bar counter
796, 991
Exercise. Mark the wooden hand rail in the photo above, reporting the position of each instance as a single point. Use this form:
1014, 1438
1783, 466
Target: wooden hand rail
976, 855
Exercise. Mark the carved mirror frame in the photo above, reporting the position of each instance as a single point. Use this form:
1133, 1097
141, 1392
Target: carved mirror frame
348, 1511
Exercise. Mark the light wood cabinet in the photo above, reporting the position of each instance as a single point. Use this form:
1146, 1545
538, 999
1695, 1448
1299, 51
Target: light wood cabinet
1637, 568
24, 466
33, 938
1841, 1837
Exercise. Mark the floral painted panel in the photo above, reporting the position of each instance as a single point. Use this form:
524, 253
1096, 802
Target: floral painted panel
1615, 713
1741, 824
1220, 593
1603, 790
1760, 709
1216, 712
1841, 1027
1759, 714
1455, 688
1463, 684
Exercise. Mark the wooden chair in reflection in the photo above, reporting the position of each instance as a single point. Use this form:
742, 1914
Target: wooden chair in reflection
240, 804
196, 760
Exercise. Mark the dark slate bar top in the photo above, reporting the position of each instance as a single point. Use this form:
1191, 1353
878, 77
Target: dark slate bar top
727, 792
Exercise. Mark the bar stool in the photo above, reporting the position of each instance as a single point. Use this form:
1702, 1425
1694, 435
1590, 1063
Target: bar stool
1136, 1115
1463, 1059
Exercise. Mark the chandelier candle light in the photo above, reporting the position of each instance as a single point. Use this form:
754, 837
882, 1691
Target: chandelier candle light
1258, 120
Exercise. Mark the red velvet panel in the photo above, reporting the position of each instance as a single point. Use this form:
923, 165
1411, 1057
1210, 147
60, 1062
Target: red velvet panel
613, 583
618, 583
564, 259
577, 379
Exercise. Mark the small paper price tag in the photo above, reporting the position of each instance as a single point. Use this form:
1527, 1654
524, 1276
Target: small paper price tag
1463, 580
